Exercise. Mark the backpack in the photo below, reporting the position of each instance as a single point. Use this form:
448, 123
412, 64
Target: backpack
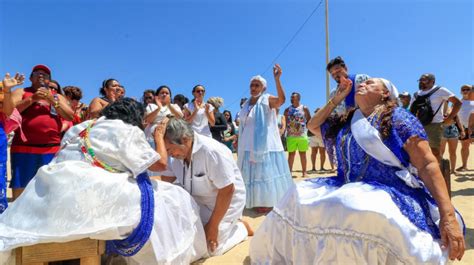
422, 109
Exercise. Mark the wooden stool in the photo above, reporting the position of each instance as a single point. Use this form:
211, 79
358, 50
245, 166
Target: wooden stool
446, 171
87, 250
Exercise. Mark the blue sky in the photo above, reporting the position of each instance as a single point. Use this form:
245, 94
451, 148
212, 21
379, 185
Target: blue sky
222, 43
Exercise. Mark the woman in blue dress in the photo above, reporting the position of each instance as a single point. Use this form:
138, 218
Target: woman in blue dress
388, 203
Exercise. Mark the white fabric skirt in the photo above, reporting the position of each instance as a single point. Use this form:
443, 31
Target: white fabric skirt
353, 224
72, 200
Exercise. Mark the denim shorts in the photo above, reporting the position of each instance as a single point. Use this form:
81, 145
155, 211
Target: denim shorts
451, 132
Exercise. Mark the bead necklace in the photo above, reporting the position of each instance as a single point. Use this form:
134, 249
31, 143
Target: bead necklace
89, 154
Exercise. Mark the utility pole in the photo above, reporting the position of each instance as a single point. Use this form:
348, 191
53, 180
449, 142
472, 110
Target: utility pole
327, 50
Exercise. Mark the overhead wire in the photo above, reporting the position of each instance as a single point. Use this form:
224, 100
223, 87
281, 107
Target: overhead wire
283, 49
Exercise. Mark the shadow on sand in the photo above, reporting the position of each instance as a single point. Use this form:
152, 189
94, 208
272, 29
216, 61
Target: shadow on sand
464, 177
469, 238
463, 192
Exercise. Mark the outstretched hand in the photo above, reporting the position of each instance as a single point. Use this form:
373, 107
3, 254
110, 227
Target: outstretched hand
343, 89
160, 129
10, 82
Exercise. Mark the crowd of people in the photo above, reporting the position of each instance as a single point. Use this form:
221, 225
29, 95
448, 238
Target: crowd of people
158, 179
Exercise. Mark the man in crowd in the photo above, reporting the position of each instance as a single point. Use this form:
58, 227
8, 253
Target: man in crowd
338, 69
36, 142
297, 115
180, 100
433, 122
208, 171
405, 99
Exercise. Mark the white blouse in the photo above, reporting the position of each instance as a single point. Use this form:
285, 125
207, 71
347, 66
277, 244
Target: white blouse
200, 123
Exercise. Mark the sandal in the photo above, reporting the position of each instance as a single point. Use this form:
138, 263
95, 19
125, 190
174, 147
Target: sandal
461, 169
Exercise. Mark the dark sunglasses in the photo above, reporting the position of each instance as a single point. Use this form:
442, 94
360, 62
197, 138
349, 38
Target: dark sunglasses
40, 73
465, 90
148, 97
200, 91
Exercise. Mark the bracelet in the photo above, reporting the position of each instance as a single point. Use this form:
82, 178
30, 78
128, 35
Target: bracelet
56, 104
332, 103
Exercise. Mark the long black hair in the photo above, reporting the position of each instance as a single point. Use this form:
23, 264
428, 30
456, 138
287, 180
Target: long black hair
157, 92
105, 84
127, 109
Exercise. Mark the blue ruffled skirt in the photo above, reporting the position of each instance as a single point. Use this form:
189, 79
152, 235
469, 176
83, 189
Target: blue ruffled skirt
267, 181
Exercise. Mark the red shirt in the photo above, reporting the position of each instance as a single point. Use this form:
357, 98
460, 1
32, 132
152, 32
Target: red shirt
41, 128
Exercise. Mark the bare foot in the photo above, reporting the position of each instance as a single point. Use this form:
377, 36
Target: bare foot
249, 229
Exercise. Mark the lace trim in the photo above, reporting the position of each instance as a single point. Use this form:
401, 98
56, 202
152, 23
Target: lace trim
316, 231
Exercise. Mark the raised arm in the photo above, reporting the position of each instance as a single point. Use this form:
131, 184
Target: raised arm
343, 90
160, 148
276, 102
454, 111
61, 104
428, 169
8, 83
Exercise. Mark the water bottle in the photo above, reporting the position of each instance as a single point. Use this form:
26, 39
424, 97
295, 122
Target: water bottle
53, 111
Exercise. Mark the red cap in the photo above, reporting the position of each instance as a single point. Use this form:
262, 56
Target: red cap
42, 67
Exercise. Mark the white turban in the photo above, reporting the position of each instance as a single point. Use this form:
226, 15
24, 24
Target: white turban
391, 88
260, 79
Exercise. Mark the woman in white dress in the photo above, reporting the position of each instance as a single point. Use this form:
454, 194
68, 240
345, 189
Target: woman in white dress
94, 188
158, 110
377, 210
261, 158
199, 113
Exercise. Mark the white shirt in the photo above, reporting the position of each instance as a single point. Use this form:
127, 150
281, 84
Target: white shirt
467, 108
437, 99
164, 111
212, 168
247, 127
200, 123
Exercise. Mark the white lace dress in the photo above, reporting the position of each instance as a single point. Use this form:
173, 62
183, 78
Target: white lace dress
70, 199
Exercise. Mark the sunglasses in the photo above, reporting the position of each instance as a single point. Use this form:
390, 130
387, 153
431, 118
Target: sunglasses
40, 73
200, 91
148, 97
53, 88
465, 90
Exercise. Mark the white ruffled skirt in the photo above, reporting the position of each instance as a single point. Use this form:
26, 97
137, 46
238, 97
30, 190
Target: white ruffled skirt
353, 224
73, 200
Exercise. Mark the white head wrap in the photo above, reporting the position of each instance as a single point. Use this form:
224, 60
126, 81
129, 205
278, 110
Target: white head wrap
260, 79
391, 88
